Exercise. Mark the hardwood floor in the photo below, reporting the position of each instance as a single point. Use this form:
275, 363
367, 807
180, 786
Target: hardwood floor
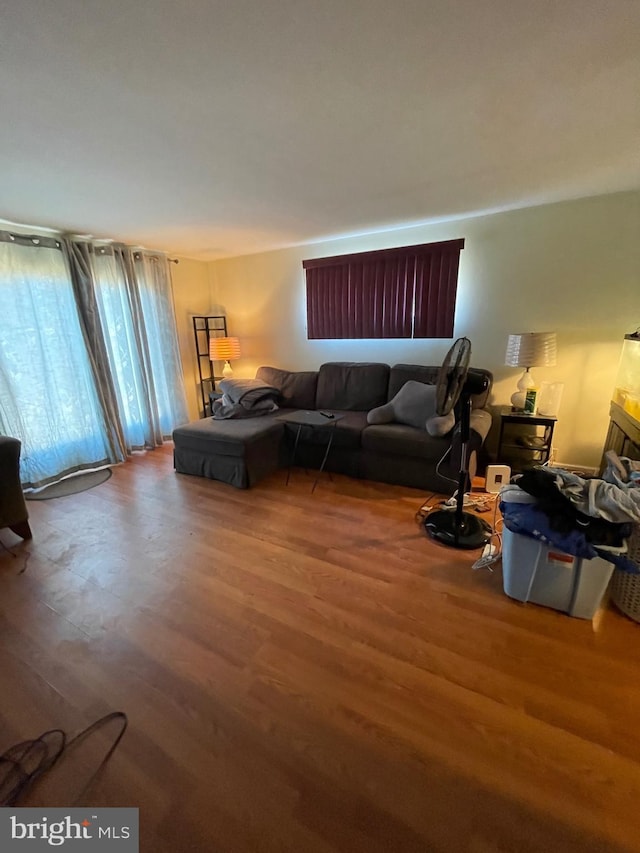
309, 673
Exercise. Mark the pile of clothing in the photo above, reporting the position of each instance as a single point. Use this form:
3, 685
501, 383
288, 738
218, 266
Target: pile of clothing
245, 398
584, 517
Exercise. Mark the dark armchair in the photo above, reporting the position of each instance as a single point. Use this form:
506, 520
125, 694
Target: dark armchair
13, 509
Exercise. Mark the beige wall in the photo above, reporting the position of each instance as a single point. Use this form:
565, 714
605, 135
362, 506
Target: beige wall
573, 268
191, 295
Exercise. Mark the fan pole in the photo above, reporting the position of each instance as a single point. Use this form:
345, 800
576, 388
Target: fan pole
460, 529
463, 476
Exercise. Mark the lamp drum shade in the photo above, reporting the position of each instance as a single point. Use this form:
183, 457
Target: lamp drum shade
224, 349
531, 349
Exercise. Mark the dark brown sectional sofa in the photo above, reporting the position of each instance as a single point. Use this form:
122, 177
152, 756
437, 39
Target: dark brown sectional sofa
242, 451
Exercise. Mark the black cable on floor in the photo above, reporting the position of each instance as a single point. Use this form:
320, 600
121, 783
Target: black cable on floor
21, 765
8, 550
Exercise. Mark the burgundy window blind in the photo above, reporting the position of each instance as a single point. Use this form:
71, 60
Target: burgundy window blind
408, 292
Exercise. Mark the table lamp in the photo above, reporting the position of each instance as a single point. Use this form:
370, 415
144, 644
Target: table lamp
224, 349
529, 349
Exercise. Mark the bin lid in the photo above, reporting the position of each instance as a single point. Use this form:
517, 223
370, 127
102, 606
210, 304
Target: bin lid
510, 493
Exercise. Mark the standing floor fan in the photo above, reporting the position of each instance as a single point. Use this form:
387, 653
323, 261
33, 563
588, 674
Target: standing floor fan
458, 528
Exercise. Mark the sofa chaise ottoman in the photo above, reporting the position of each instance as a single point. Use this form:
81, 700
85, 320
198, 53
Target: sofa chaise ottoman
239, 452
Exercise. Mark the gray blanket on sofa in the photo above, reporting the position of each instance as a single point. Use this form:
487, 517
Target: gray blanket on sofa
245, 398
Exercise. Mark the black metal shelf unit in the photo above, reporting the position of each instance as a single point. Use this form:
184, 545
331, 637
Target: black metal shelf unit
207, 326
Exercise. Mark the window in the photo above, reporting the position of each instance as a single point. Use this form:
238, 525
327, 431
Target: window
89, 361
408, 292
136, 311
48, 397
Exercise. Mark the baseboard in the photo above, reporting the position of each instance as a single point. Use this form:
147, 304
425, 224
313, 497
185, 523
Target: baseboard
580, 470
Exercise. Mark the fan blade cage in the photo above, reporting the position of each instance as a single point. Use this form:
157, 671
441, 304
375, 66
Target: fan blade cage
452, 375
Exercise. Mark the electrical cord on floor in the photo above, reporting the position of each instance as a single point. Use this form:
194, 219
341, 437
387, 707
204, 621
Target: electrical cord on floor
481, 503
8, 550
15, 557
21, 765
491, 552
425, 509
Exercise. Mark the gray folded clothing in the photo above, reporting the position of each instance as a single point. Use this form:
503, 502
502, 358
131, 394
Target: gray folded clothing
245, 398
598, 498
621, 471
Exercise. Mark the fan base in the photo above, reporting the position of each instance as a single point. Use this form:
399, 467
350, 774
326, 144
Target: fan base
471, 532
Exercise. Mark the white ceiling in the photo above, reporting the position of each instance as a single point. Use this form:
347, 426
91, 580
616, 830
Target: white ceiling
212, 128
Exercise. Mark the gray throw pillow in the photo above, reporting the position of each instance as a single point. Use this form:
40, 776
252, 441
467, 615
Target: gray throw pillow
440, 425
414, 405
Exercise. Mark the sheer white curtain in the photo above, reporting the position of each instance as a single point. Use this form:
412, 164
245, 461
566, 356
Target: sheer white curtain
114, 306
89, 361
152, 275
133, 291
48, 396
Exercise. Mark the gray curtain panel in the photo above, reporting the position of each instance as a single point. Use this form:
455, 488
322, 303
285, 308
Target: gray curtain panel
90, 367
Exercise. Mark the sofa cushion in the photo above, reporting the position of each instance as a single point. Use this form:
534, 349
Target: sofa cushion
225, 438
404, 440
297, 388
352, 386
401, 373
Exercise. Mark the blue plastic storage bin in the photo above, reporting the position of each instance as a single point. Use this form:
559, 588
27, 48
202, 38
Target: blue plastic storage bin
537, 572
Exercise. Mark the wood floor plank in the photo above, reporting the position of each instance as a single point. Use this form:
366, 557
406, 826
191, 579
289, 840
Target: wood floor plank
308, 672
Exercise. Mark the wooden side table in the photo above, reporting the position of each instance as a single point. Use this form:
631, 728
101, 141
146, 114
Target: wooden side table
519, 444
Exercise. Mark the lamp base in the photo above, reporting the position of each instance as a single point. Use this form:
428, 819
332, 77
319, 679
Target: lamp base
227, 372
525, 382
518, 401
